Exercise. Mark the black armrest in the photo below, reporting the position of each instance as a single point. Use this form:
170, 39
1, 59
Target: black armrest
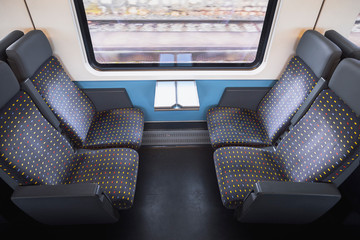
109, 98
320, 85
65, 204
288, 202
243, 97
30, 89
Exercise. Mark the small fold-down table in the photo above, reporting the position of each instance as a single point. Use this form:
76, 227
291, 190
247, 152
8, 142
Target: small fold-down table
176, 95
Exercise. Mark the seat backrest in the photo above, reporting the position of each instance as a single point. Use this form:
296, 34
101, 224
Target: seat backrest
326, 140
348, 48
316, 56
31, 150
31, 57
6, 41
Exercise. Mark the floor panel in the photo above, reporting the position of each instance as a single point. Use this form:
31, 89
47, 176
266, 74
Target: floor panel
177, 197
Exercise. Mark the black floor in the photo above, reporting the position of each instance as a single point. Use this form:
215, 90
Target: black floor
177, 197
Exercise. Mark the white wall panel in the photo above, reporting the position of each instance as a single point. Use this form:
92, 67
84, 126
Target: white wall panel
13, 16
338, 15
57, 19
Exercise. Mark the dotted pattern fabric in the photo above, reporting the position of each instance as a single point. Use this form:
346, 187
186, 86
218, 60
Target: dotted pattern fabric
324, 140
242, 127
32, 152
73, 108
235, 126
239, 168
318, 149
115, 170
85, 127
283, 100
117, 127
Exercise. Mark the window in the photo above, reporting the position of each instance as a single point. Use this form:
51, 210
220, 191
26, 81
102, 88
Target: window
181, 34
355, 32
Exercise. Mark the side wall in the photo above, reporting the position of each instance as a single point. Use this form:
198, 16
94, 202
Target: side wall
58, 20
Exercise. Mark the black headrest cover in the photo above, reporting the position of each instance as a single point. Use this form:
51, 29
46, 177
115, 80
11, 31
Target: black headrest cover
349, 49
7, 41
27, 54
319, 53
9, 85
345, 82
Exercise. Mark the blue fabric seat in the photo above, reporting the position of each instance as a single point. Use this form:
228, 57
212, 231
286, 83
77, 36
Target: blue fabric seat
78, 117
240, 127
318, 148
33, 152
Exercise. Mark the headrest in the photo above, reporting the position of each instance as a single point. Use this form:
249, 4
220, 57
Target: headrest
319, 53
7, 41
345, 82
9, 85
27, 54
348, 48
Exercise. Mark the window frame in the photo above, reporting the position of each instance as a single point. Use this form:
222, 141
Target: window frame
89, 51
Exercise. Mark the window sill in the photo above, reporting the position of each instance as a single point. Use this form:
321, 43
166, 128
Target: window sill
175, 74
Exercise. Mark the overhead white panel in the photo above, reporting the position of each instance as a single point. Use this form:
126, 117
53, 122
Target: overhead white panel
58, 19
338, 15
14, 16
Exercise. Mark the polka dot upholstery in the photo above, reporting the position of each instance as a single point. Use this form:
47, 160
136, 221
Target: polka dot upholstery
32, 152
239, 168
324, 140
72, 107
283, 100
318, 149
116, 127
86, 127
114, 169
236, 126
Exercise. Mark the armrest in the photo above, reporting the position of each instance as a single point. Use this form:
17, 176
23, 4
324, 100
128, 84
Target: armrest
83, 203
64, 190
296, 188
109, 98
30, 89
288, 202
320, 85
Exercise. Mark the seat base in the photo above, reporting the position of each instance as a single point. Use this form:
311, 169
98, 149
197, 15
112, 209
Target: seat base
235, 126
239, 168
116, 128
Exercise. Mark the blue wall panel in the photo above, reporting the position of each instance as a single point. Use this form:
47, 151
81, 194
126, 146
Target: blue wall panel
142, 95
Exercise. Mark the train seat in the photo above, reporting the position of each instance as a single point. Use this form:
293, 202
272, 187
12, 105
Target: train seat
319, 148
34, 154
315, 58
348, 48
31, 57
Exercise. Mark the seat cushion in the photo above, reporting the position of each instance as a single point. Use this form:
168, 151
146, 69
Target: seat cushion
72, 107
235, 126
115, 170
116, 128
239, 168
281, 103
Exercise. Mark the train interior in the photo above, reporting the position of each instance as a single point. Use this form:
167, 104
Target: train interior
179, 119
